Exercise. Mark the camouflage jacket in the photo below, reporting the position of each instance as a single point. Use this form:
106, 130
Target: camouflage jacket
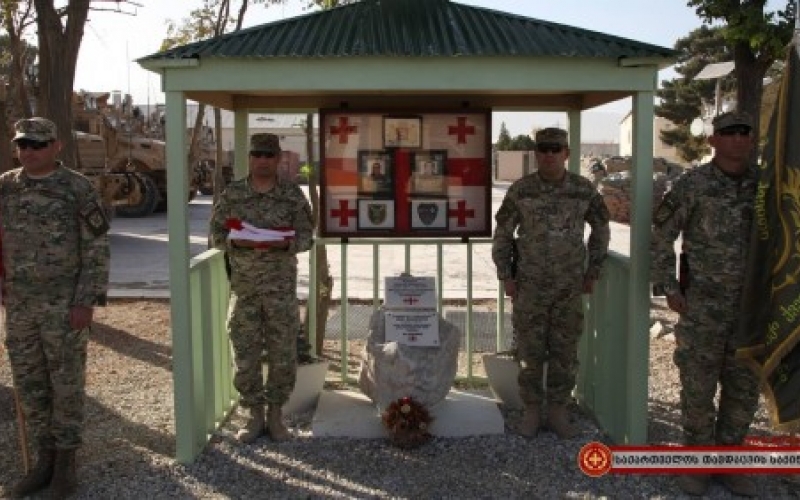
54, 236
284, 206
714, 212
549, 222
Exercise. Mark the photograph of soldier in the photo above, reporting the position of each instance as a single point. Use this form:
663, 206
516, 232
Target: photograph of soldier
375, 175
402, 132
428, 173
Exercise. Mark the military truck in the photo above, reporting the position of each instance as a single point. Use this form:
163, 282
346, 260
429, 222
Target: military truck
115, 152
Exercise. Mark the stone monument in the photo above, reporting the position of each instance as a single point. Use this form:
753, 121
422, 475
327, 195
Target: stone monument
411, 350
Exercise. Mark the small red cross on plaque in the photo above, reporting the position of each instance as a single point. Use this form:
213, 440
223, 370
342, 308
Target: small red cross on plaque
462, 213
461, 130
343, 130
410, 300
344, 213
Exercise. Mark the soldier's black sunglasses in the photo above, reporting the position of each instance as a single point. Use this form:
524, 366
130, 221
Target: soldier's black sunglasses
742, 130
263, 154
34, 145
549, 148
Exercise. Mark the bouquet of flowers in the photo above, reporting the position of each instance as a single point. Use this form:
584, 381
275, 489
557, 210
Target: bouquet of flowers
407, 422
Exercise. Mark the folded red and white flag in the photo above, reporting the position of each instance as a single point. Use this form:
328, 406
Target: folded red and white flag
241, 230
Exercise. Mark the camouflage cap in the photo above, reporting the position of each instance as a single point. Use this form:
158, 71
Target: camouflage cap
35, 129
731, 119
265, 142
551, 135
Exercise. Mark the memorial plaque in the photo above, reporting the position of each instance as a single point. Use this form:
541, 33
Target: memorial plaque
410, 292
417, 328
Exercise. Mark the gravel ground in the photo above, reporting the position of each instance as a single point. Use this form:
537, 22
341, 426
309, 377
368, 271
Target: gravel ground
130, 440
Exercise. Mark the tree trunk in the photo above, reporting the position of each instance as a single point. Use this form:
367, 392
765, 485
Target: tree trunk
324, 289
20, 59
6, 155
750, 72
192, 156
219, 175
58, 55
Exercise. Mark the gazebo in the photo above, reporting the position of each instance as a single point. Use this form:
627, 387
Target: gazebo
395, 55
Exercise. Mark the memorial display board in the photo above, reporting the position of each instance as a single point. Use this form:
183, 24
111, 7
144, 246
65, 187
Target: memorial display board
425, 173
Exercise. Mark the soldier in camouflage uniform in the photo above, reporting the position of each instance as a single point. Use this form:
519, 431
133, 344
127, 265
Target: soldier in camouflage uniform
56, 260
712, 207
263, 312
540, 256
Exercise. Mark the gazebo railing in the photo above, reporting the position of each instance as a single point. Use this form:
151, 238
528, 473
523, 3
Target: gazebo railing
611, 383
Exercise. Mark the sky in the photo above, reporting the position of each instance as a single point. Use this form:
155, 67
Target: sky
113, 41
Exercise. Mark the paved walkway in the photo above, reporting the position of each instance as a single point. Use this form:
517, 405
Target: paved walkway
139, 262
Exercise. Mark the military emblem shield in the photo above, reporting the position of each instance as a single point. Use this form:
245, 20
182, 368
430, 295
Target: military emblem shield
376, 213
427, 212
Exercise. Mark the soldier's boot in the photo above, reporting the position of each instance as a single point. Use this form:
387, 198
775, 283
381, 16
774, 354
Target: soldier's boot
738, 484
694, 484
65, 481
39, 476
277, 429
254, 426
558, 421
531, 421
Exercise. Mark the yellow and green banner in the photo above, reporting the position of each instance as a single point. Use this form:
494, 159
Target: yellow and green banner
771, 300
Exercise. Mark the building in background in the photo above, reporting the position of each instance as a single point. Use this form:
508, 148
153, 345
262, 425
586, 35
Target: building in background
660, 149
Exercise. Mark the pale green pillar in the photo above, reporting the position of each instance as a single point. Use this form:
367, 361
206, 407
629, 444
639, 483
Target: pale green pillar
241, 144
639, 285
180, 307
574, 118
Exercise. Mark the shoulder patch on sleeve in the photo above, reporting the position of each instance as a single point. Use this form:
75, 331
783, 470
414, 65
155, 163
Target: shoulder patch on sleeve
665, 210
95, 218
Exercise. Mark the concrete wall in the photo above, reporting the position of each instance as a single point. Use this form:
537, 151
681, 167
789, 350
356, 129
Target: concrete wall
511, 165
599, 149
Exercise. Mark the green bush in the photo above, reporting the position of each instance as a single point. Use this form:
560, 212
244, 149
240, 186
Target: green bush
303, 173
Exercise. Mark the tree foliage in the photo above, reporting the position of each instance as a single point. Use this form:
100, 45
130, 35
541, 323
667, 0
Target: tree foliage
522, 142
757, 35
328, 4
686, 98
503, 139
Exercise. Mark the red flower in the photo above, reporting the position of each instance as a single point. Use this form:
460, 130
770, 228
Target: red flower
234, 223
407, 422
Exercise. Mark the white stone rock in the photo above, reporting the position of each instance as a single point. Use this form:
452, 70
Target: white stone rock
656, 330
390, 370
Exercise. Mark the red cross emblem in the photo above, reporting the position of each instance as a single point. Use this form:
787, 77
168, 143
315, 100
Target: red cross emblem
410, 300
461, 130
344, 213
462, 213
343, 130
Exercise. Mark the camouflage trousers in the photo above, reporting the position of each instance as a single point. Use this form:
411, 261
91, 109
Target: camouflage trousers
264, 327
48, 364
547, 330
705, 355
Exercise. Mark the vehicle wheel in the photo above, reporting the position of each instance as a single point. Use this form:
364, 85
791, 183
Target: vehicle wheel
147, 203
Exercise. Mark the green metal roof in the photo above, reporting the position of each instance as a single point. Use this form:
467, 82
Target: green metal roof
412, 28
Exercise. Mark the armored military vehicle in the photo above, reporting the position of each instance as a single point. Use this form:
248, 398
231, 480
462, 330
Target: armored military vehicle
115, 152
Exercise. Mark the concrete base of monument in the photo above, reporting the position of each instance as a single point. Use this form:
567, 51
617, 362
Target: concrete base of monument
352, 414
503, 372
